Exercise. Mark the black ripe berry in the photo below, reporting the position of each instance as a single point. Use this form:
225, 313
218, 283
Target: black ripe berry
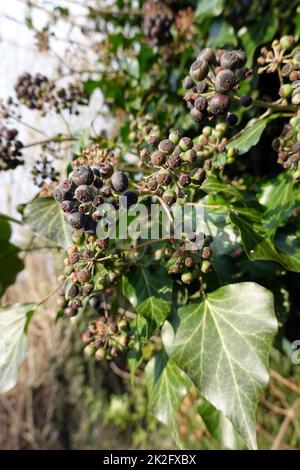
72, 291
196, 115
225, 81
246, 101
84, 193
169, 197
119, 181
76, 219
199, 69
76, 303
219, 104
231, 120
97, 201
98, 183
158, 158
184, 180
58, 194
188, 83
67, 186
198, 176
69, 206
232, 60
94, 302
164, 177
106, 170
83, 174
131, 199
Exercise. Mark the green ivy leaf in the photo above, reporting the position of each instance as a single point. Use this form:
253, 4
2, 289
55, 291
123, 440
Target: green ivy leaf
167, 386
278, 197
219, 426
221, 34
289, 245
10, 262
13, 342
258, 246
251, 134
255, 242
44, 218
223, 345
208, 9
150, 294
212, 185
259, 33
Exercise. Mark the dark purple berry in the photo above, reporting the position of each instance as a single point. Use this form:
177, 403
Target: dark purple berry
83, 174
84, 193
119, 182
76, 219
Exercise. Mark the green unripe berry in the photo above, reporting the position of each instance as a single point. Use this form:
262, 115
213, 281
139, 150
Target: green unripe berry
190, 156
89, 350
207, 130
231, 152
286, 42
296, 96
185, 143
187, 278
285, 90
122, 325
206, 266
100, 354
174, 137
198, 176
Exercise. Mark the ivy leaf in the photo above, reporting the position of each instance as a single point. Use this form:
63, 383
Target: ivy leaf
219, 426
13, 342
259, 33
279, 199
150, 294
221, 33
223, 345
289, 245
10, 262
251, 134
167, 386
44, 218
258, 246
208, 9
212, 185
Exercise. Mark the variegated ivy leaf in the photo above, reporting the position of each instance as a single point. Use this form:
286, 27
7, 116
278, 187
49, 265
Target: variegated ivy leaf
223, 345
167, 386
13, 342
44, 217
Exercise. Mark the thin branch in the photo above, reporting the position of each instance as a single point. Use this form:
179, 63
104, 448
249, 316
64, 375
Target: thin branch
56, 139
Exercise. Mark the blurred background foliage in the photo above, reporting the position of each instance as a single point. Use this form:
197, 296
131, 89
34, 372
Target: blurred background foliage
64, 400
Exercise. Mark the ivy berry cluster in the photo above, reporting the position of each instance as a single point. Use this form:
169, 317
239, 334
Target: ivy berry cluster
43, 171
89, 187
10, 149
106, 337
187, 261
40, 93
176, 162
210, 84
288, 146
280, 59
158, 19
